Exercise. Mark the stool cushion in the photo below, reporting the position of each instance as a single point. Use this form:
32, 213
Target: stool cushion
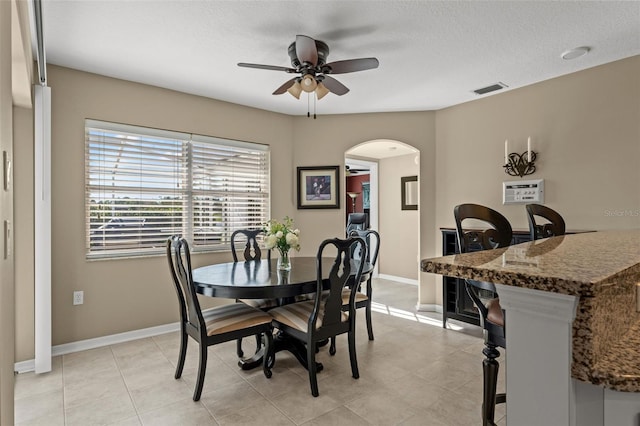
495, 314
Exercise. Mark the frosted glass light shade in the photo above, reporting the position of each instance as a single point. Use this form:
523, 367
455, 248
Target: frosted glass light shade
321, 91
295, 90
308, 83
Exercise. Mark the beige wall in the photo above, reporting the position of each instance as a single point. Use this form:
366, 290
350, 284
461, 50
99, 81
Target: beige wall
124, 295
586, 129
584, 125
324, 141
399, 229
15, 87
23, 183
6, 214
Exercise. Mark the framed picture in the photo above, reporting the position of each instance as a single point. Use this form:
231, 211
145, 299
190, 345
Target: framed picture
366, 203
409, 191
319, 187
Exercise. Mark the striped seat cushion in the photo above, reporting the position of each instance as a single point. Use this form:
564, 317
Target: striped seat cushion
296, 315
236, 316
261, 303
360, 297
305, 297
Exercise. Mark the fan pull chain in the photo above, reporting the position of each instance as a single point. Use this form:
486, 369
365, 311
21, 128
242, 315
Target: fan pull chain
314, 106
308, 114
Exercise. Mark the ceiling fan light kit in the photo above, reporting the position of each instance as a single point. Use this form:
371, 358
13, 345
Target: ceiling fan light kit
308, 58
309, 83
295, 90
321, 91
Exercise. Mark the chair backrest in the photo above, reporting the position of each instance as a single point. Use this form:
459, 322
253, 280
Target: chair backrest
372, 240
179, 257
251, 249
342, 271
499, 233
554, 227
356, 221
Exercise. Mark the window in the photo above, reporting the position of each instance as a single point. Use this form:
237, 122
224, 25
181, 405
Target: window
144, 185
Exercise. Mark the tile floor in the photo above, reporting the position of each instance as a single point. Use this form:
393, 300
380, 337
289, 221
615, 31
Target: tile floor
414, 373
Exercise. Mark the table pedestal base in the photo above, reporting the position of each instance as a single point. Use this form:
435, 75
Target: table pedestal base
281, 342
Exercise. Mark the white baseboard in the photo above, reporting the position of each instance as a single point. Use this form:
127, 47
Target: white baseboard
98, 342
429, 307
398, 279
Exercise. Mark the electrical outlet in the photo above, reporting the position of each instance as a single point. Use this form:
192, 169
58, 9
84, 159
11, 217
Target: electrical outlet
78, 297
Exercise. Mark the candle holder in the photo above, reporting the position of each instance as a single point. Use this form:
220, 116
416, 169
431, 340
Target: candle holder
520, 164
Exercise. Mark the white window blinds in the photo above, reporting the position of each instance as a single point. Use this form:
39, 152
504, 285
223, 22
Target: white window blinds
144, 185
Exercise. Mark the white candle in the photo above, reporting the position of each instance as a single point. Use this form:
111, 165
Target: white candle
529, 149
506, 151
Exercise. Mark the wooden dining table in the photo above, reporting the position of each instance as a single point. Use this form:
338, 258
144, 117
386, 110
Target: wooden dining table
261, 279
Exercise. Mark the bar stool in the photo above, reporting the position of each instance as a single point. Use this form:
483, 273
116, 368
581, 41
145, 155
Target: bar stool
498, 234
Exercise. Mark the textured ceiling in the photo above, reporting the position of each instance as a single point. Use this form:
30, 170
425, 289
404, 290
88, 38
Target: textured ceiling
432, 53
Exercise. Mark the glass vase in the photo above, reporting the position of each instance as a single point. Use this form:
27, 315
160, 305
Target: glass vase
284, 262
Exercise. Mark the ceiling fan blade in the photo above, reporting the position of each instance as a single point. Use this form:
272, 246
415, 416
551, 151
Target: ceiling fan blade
352, 65
306, 50
266, 67
282, 89
334, 86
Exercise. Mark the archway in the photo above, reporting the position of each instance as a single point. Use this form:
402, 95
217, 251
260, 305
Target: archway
378, 167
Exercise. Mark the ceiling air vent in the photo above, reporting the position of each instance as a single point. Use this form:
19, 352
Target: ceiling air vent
491, 88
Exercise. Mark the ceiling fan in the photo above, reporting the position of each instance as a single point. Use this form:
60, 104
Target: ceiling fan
351, 171
308, 58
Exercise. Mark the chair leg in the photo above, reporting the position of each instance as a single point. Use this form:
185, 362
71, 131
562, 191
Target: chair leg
312, 367
202, 368
368, 318
352, 353
183, 351
490, 377
268, 358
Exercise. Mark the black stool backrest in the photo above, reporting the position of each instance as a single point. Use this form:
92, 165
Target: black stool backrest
555, 227
498, 235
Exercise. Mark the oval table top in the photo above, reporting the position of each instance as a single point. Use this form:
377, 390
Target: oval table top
261, 279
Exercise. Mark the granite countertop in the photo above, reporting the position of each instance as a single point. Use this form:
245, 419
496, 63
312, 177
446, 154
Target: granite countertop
600, 268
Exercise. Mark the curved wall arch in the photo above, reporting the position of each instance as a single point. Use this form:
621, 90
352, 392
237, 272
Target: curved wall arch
389, 160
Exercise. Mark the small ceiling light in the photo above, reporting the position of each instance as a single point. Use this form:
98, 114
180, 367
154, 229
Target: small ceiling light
575, 53
308, 83
321, 91
295, 90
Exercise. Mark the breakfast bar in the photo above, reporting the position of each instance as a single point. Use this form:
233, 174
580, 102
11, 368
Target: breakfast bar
572, 325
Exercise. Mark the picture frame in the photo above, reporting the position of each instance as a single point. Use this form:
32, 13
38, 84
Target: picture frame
409, 192
366, 201
319, 187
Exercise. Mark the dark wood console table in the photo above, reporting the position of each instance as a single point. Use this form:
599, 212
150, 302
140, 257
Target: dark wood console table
456, 303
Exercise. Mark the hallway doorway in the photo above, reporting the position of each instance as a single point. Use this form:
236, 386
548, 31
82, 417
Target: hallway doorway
374, 174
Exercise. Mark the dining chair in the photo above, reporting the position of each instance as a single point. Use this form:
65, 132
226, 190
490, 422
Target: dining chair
555, 225
363, 300
251, 252
322, 318
252, 248
497, 233
220, 324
